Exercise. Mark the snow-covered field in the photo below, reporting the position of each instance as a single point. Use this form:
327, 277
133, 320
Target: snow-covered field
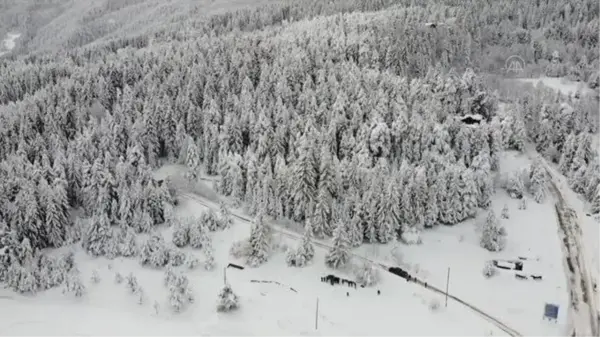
563, 85
532, 234
266, 309
8, 43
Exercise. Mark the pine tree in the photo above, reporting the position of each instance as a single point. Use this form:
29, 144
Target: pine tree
225, 219
538, 181
97, 236
304, 175
338, 255
505, 214
260, 242
227, 300
493, 235
192, 160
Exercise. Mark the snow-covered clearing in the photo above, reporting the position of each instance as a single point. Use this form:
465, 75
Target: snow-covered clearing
266, 309
565, 86
9, 43
532, 234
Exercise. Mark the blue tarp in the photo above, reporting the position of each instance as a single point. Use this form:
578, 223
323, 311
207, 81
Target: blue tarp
551, 311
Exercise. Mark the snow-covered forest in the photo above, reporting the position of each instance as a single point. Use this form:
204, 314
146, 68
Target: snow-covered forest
341, 116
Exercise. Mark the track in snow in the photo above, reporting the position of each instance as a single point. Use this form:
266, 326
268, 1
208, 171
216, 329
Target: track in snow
295, 236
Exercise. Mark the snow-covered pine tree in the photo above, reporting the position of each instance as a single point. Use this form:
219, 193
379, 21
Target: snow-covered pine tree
259, 242
192, 160
305, 177
338, 255
493, 236
537, 181
181, 233
505, 214
128, 246
514, 185
227, 300
97, 236
225, 219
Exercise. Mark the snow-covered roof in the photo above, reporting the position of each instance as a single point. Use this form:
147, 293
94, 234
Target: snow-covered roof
477, 117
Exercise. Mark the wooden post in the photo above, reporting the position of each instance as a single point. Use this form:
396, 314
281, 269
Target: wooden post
225, 276
447, 283
317, 315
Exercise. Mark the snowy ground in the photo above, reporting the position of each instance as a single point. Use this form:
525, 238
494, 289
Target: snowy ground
532, 233
563, 85
267, 309
8, 43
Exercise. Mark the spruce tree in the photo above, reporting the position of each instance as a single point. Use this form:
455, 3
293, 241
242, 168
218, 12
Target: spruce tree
259, 242
338, 255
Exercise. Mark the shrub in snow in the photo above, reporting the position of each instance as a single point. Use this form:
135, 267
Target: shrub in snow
504, 213
303, 255
95, 276
411, 236
154, 252
209, 262
181, 234
139, 293
132, 283
434, 305
118, 278
514, 185
169, 276
180, 293
366, 274
191, 261
156, 307
21, 279
210, 220
489, 270
74, 285
198, 235
239, 249
227, 300
176, 257
523, 203
493, 236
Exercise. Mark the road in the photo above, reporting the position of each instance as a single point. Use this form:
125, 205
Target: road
568, 220
573, 248
296, 236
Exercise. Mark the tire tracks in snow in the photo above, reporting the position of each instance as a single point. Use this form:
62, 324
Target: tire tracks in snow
295, 236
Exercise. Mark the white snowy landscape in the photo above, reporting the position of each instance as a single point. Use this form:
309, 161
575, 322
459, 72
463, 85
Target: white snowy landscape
299, 168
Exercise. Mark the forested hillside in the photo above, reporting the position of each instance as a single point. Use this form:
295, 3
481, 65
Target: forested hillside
338, 115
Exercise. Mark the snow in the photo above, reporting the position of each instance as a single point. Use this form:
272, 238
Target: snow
266, 309
532, 233
563, 85
589, 233
9, 43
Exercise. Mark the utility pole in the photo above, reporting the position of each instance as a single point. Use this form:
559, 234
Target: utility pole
225, 276
447, 283
317, 315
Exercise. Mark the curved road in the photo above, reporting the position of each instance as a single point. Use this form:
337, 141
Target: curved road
296, 236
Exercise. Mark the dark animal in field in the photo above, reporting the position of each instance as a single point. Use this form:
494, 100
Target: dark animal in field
362, 285
378, 292
536, 277
347, 293
425, 284
352, 284
521, 277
